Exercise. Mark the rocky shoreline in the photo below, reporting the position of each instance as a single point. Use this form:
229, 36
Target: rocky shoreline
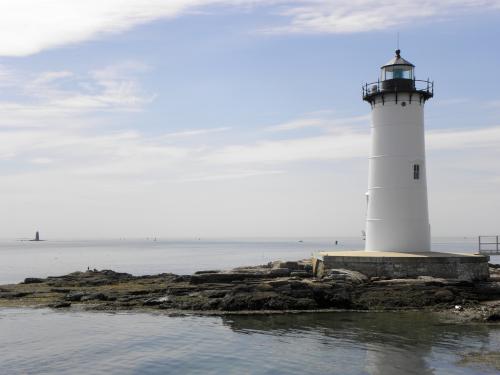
272, 288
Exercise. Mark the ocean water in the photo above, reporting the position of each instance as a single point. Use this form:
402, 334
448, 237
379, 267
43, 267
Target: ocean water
40, 341
44, 341
21, 259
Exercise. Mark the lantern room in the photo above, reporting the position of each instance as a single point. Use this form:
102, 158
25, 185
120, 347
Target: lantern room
397, 68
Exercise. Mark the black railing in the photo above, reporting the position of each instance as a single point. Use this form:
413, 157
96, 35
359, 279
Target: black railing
398, 85
489, 244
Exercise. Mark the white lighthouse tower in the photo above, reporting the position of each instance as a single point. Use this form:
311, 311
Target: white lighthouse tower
397, 216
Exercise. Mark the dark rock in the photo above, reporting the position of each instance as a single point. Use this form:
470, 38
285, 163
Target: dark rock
493, 317
279, 272
60, 290
74, 296
182, 278
60, 305
444, 295
21, 294
300, 274
138, 292
94, 297
291, 265
209, 271
156, 301
33, 280
216, 293
223, 277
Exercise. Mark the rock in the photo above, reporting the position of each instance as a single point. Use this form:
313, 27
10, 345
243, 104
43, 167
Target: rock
342, 274
444, 295
493, 317
428, 280
223, 277
33, 280
279, 272
139, 292
94, 297
74, 296
290, 265
300, 274
21, 294
216, 293
60, 290
277, 286
182, 279
156, 301
60, 305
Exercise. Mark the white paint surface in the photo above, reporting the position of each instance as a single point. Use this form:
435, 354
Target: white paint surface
397, 214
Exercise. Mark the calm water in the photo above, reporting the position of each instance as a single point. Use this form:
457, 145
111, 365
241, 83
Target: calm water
19, 259
42, 341
46, 342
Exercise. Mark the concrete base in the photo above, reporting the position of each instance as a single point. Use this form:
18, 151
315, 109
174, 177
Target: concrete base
469, 267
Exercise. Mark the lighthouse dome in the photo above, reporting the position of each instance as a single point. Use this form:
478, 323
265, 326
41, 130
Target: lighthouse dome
397, 68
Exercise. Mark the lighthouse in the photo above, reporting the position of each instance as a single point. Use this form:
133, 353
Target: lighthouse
397, 218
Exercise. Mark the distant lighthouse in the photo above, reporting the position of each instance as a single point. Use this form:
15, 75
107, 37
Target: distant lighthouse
397, 214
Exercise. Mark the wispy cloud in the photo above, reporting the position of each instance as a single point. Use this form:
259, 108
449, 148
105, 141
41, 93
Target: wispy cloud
230, 175
325, 122
31, 26
296, 124
195, 132
340, 16
48, 97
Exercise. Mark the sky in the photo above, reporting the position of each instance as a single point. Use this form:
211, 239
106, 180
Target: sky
243, 118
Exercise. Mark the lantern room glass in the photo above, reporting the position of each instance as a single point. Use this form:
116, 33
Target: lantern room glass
397, 72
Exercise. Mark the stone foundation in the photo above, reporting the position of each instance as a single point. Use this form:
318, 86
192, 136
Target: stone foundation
405, 265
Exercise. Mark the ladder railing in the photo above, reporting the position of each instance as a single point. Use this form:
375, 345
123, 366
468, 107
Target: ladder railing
489, 244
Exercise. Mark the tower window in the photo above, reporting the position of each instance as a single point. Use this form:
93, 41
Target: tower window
416, 171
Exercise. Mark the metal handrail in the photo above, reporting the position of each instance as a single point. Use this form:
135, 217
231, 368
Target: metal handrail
419, 84
496, 250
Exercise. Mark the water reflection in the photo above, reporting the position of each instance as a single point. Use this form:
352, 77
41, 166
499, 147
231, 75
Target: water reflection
392, 343
41, 341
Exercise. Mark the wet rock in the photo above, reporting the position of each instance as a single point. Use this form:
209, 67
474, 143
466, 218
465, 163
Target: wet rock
60, 290
300, 274
279, 272
444, 295
223, 277
139, 292
94, 297
276, 286
216, 293
182, 279
493, 317
60, 305
156, 301
290, 265
74, 296
21, 294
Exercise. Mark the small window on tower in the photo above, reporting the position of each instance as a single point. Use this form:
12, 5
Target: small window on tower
416, 171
